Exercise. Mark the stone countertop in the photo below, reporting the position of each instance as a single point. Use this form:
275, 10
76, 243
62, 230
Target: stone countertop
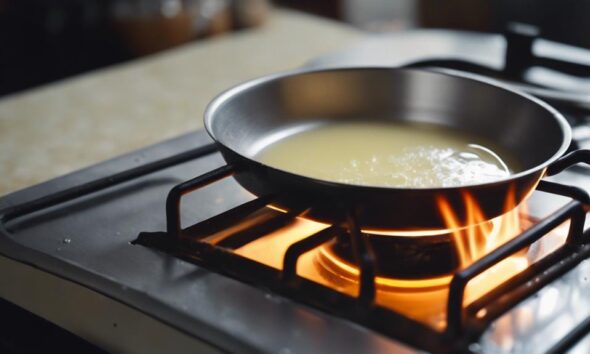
64, 126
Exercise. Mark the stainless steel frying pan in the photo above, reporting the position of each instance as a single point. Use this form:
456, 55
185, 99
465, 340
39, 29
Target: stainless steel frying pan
248, 117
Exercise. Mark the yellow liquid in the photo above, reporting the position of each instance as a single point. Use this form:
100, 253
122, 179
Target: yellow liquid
389, 155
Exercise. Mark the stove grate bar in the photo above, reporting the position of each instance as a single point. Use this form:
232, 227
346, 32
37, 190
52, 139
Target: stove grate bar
581, 331
365, 259
513, 291
574, 211
173, 224
519, 58
297, 249
459, 282
564, 190
570, 253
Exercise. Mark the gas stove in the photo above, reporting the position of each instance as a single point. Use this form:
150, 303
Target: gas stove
241, 276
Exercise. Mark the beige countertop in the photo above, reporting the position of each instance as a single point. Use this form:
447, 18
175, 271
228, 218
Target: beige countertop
64, 126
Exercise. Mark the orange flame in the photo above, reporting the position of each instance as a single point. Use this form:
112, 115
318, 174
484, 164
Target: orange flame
482, 237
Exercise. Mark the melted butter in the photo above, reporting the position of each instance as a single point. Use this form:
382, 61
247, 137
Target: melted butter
389, 155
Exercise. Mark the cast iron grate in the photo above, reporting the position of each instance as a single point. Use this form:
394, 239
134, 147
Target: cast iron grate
463, 326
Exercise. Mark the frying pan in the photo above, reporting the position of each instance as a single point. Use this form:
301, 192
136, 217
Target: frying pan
247, 118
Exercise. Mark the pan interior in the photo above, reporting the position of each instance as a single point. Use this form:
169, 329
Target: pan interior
389, 154
252, 116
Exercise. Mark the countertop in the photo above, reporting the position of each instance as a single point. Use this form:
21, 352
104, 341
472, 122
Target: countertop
67, 125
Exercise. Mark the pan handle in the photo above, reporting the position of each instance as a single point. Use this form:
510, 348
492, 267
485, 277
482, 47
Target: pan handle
568, 161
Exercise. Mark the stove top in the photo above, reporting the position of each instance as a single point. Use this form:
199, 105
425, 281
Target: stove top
89, 240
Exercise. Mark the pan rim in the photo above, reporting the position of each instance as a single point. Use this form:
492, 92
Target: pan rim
226, 95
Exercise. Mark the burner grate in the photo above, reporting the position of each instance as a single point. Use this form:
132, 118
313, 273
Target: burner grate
463, 325
519, 59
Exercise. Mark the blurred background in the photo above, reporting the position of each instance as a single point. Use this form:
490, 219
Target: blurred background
46, 40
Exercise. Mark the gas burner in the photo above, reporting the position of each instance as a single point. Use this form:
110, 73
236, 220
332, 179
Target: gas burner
415, 255
401, 257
